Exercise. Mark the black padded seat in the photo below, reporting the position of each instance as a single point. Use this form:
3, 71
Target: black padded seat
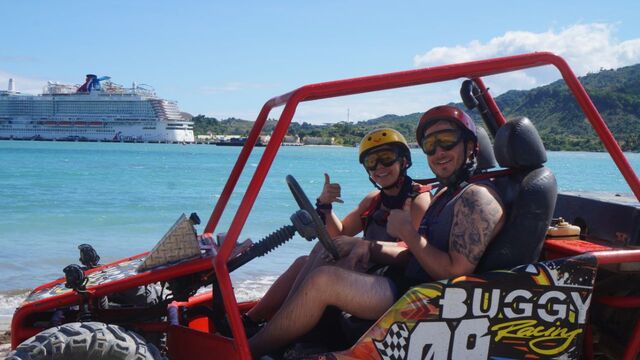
528, 195
485, 159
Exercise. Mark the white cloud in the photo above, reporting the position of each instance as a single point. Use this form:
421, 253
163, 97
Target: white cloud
586, 47
22, 84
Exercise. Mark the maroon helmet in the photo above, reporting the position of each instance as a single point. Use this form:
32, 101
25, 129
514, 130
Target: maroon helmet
446, 112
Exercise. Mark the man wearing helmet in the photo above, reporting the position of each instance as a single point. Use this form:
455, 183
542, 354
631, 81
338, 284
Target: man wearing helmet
385, 155
462, 218
459, 224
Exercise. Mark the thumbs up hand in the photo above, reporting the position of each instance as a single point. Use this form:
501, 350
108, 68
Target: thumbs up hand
399, 220
330, 192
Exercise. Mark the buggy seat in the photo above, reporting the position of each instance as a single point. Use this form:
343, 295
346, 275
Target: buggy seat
528, 194
485, 159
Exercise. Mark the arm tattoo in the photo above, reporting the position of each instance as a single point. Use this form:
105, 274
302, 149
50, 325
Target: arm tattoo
476, 216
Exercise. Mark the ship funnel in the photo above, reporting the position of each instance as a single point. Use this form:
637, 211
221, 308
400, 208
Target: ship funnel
11, 85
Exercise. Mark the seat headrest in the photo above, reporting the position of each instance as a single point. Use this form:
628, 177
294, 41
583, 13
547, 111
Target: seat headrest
485, 159
518, 145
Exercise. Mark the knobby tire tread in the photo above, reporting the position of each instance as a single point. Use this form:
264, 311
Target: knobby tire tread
88, 340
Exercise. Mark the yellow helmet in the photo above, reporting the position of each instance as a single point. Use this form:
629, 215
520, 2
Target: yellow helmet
384, 136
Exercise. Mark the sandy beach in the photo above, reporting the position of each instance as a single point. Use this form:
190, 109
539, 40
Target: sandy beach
5, 343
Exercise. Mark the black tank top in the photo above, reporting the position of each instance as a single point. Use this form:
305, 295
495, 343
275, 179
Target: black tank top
374, 219
436, 227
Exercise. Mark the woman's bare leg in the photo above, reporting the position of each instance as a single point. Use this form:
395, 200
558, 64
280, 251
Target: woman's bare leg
365, 296
314, 261
277, 293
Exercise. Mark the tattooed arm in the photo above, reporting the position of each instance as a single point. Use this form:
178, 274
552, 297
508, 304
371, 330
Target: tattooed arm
477, 218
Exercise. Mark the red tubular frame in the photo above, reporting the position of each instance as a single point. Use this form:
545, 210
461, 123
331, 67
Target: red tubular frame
617, 257
474, 70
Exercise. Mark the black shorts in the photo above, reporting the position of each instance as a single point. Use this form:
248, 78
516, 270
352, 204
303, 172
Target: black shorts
399, 282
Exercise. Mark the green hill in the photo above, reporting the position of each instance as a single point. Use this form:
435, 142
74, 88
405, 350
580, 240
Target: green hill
616, 94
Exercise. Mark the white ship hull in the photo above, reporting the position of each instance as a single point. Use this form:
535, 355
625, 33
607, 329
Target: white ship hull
95, 130
110, 114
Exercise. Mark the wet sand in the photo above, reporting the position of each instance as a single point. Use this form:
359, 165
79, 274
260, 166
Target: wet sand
5, 343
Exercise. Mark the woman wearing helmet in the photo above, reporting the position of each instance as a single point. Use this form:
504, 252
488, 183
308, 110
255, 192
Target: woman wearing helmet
385, 155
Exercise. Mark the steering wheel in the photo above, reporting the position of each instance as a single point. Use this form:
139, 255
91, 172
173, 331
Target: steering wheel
304, 204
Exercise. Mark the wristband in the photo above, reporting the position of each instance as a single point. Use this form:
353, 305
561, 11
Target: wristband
320, 206
320, 210
322, 216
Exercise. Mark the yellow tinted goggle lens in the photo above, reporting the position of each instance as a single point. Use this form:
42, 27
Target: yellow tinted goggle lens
446, 139
384, 157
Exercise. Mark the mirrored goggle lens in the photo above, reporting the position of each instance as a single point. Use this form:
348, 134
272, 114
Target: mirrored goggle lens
446, 139
385, 157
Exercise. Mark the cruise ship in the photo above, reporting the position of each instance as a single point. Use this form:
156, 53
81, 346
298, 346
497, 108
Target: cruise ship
98, 110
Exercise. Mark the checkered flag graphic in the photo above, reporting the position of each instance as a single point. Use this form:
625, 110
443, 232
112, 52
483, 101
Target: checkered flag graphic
395, 344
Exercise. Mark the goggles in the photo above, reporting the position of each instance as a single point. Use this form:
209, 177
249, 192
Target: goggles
384, 157
446, 139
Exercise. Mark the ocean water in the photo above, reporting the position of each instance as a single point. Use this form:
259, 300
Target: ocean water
122, 198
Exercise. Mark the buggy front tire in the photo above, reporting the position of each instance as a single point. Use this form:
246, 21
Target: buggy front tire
86, 340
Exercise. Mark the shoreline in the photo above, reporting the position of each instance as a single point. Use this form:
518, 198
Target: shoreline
412, 145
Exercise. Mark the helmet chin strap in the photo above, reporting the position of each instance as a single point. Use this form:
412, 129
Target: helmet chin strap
461, 175
397, 184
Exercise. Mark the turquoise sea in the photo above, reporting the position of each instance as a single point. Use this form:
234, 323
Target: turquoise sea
122, 198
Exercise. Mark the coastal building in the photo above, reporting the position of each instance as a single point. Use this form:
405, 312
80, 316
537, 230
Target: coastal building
316, 140
292, 140
264, 139
204, 139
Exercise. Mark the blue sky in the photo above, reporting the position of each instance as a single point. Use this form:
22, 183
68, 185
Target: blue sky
226, 58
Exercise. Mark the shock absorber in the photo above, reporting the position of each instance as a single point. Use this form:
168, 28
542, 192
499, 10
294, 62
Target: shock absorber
263, 246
